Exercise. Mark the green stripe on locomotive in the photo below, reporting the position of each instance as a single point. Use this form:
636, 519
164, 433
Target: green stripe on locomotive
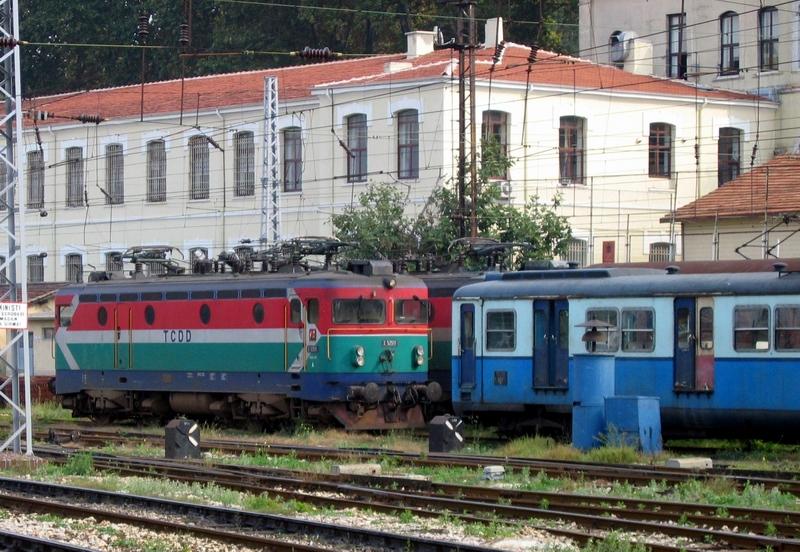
335, 355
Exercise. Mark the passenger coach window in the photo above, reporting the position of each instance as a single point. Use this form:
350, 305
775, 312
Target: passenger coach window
500, 331
751, 328
411, 311
638, 334
706, 328
609, 340
787, 328
359, 311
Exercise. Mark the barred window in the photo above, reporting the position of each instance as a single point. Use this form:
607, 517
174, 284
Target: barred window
35, 269
244, 159
408, 144
768, 39
660, 153
608, 336
660, 252
156, 171
35, 190
729, 43
113, 261
74, 267
577, 252
571, 140
500, 330
115, 174
198, 167
729, 154
638, 330
292, 160
74, 177
751, 328
357, 146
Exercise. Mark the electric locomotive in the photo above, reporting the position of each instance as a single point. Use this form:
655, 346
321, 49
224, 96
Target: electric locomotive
350, 346
721, 352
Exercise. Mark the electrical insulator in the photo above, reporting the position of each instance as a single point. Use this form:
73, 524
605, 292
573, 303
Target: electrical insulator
84, 118
143, 29
40, 115
184, 35
8, 42
323, 54
534, 53
498, 52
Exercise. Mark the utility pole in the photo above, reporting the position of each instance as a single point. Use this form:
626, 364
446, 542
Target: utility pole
270, 183
12, 197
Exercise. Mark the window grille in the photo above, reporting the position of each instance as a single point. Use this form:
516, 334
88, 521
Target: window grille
113, 261
729, 154
115, 174
156, 171
408, 144
660, 152
292, 160
357, 146
245, 177
198, 167
660, 252
768, 39
74, 177
35, 190
495, 127
677, 59
577, 251
74, 265
729, 44
571, 138
35, 269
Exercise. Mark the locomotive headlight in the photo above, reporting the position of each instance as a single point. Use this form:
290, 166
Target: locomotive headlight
358, 356
419, 355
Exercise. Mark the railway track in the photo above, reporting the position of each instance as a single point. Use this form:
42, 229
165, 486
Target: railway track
639, 474
694, 523
11, 541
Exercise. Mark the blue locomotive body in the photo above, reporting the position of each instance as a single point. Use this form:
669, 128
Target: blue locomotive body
720, 351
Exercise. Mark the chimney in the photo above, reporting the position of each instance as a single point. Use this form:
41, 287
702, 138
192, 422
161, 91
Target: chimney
493, 32
420, 43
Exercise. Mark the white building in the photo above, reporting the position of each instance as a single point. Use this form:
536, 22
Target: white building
752, 47
620, 148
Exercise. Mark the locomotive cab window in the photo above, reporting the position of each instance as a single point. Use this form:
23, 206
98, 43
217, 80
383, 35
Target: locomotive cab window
787, 328
500, 330
359, 311
751, 328
294, 311
65, 313
608, 336
638, 330
411, 311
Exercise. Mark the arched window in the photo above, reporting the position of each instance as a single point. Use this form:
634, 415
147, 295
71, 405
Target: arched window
357, 147
156, 171
198, 167
244, 163
292, 159
729, 43
408, 144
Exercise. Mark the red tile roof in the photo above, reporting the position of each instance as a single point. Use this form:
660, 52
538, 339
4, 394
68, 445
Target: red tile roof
771, 187
37, 292
297, 82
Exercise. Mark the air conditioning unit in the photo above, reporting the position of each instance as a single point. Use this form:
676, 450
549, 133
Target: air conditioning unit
505, 189
621, 43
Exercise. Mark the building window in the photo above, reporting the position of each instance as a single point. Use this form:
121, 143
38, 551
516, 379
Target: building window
115, 190
571, 140
245, 153
638, 330
408, 144
357, 148
661, 138
292, 160
113, 261
676, 46
198, 167
660, 252
729, 44
495, 129
74, 267
74, 177
35, 180
577, 252
768, 39
156, 171
729, 150
35, 269
751, 328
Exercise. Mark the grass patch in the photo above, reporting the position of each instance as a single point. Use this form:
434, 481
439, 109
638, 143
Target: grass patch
43, 412
79, 464
614, 542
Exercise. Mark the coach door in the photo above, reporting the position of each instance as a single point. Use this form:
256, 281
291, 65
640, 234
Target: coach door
123, 337
694, 344
550, 343
466, 346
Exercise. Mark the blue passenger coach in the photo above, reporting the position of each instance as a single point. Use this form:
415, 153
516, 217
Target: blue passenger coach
720, 351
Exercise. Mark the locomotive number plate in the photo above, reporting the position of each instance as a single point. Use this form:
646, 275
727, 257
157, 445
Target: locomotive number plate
389, 343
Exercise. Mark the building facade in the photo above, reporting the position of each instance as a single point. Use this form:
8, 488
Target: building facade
186, 169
